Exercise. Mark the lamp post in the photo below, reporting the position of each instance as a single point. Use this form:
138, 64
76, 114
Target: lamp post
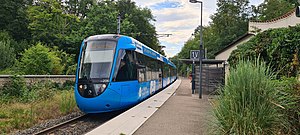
201, 46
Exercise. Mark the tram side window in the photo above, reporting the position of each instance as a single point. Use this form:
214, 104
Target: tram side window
127, 68
149, 68
155, 70
169, 70
173, 71
141, 67
166, 72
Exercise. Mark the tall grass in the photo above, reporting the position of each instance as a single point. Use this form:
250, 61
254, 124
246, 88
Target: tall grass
247, 104
289, 95
67, 102
20, 115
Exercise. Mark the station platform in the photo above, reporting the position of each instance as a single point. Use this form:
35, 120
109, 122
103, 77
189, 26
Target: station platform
173, 111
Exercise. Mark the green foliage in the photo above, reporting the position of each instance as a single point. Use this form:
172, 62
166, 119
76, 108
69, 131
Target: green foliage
279, 48
67, 61
65, 24
50, 25
7, 55
136, 23
17, 46
43, 90
248, 102
67, 103
39, 60
101, 19
229, 23
18, 115
14, 18
80, 8
15, 87
271, 9
289, 95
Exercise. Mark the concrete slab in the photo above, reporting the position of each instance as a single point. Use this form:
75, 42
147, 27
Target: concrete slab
129, 121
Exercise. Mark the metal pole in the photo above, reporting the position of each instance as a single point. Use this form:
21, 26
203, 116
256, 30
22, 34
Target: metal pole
193, 77
200, 58
119, 24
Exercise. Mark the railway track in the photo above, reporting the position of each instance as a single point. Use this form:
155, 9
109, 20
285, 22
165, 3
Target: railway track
53, 129
79, 125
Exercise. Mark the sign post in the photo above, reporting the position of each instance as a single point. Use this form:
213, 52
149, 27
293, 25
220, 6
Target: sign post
194, 55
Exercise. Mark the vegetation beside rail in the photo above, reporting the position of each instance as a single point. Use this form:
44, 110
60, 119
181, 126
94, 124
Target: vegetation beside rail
48, 33
279, 48
253, 102
23, 106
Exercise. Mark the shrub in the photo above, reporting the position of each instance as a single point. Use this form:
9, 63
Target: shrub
279, 48
7, 55
44, 90
289, 95
247, 104
68, 84
38, 60
15, 87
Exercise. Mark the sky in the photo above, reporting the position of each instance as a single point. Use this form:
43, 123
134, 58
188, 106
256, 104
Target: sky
179, 18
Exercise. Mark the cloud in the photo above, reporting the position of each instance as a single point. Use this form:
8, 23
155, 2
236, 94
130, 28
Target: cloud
179, 18
176, 17
166, 4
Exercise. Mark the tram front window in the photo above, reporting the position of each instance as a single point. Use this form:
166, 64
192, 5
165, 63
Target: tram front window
97, 59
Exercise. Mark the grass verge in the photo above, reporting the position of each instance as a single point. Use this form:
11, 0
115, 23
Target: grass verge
16, 115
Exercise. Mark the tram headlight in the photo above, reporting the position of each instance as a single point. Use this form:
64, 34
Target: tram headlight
99, 88
81, 88
103, 86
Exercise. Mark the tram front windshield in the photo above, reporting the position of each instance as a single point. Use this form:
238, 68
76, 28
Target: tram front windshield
96, 60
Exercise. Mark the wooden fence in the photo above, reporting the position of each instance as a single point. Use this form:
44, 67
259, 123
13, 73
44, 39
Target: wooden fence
212, 78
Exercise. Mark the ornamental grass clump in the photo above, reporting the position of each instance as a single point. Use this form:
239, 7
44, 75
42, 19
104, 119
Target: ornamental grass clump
247, 104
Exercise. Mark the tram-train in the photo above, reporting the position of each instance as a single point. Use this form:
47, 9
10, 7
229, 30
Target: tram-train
116, 72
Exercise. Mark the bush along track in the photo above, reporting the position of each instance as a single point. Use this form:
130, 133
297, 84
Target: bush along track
23, 106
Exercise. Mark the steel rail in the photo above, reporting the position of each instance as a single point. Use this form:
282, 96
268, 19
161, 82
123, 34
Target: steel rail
58, 126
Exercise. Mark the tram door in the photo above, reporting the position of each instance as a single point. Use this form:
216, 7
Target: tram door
160, 75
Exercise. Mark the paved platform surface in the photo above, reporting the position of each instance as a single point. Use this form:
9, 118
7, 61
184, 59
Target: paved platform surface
182, 114
129, 121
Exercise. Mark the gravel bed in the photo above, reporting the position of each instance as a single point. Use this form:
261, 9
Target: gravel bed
48, 124
87, 124
78, 128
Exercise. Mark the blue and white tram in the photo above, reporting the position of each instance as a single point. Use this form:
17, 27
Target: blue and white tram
116, 72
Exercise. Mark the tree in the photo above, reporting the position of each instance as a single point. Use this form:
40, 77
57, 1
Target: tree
230, 21
7, 55
271, 9
51, 26
100, 20
14, 18
80, 8
38, 60
136, 22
